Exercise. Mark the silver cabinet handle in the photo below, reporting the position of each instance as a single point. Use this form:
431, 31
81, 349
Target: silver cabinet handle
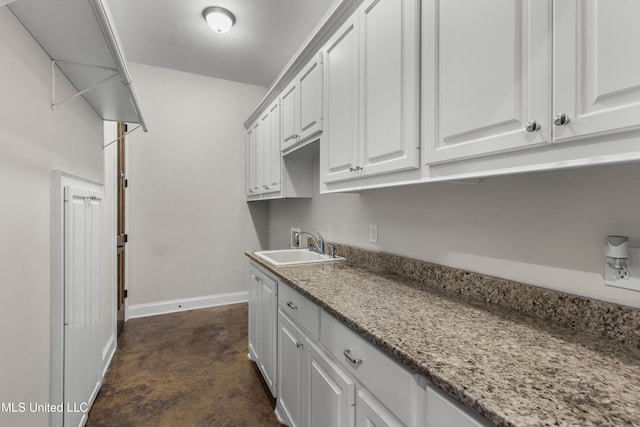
292, 306
298, 344
533, 126
354, 360
561, 119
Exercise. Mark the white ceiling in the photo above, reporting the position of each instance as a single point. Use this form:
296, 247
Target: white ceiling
173, 34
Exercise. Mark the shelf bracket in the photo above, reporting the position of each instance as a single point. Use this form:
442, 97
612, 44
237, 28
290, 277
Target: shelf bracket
54, 104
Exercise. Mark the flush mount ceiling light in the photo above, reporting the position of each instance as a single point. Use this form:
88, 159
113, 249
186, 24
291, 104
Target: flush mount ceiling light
219, 19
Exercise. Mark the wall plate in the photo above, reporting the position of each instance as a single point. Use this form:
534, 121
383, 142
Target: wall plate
632, 283
292, 238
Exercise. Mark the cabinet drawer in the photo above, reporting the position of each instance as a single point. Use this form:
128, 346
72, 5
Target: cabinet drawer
383, 377
443, 412
300, 309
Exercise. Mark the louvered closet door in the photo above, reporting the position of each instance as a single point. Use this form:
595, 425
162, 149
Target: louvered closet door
82, 311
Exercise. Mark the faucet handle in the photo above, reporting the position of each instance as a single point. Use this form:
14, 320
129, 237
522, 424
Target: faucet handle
332, 250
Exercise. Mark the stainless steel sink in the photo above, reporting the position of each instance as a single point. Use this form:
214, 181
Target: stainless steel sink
295, 256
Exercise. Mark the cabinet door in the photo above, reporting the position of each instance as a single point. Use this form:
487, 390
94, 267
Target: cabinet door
310, 88
487, 74
253, 177
255, 308
389, 53
339, 148
442, 412
264, 151
289, 106
597, 67
369, 412
331, 392
290, 370
273, 158
268, 330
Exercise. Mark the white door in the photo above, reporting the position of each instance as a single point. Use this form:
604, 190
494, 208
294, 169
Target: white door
370, 413
487, 76
289, 106
268, 330
339, 148
290, 370
253, 166
82, 302
597, 67
264, 158
310, 99
389, 72
331, 392
274, 177
255, 308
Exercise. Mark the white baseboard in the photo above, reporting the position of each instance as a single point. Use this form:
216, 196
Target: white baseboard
164, 307
107, 354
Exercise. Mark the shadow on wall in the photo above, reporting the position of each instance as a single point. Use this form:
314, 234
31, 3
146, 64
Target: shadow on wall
259, 212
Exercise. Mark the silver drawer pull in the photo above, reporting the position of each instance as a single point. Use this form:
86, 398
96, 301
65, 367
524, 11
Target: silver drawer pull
354, 360
292, 306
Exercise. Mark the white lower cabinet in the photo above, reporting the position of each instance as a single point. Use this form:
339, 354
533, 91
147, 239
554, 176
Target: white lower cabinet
327, 375
441, 411
331, 392
263, 291
371, 413
290, 372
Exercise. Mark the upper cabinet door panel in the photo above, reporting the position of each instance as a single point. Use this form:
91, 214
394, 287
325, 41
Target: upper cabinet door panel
493, 76
389, 85
597, 67
341, 103
289, 108
310, 86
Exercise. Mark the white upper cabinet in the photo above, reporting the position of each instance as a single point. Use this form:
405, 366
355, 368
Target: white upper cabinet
273, 179
264, 162
487, 76
253, 172
289, 103
302, 105
339, 146
597, 67
371, 94
389, 58
310, 109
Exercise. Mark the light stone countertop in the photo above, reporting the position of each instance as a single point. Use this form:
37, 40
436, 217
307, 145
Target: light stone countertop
510, 367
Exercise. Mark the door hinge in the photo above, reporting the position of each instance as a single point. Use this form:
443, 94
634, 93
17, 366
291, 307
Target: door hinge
126, 293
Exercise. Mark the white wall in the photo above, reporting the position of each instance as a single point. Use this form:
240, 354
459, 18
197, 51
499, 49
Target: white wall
545, 229
33, 141
189, 223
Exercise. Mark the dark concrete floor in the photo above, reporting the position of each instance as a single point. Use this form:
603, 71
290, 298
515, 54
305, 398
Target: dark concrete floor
184, 369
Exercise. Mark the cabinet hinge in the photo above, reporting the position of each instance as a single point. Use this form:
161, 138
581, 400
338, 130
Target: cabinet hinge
126, 293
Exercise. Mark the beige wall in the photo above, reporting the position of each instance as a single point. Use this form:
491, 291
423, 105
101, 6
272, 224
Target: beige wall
33, 141
543, 229
189, 223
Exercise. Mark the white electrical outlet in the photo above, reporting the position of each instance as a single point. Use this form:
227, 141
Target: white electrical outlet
633, 280
373, 233
294, 243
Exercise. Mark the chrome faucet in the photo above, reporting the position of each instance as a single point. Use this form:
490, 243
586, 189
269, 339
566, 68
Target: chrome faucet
317, 245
